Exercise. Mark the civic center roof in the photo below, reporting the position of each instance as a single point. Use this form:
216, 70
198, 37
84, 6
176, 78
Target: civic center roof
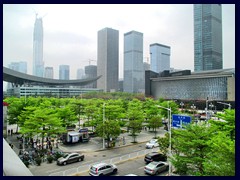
19, 78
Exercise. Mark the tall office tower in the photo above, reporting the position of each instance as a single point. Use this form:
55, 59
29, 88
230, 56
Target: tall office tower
160, 57
207, 37
64, 72
108, 59
91, 72
48, 73
17, 66
38, 64
80, 73
134, 74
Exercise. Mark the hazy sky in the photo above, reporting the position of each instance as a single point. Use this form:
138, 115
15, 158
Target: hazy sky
70, 32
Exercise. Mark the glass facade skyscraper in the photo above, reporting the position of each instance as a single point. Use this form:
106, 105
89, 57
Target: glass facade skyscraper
48, 73
64, 72
207, 37
133, 63
160, 57
38, 64
17, 66
108, 59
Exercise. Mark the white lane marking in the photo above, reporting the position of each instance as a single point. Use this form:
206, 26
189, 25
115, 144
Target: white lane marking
53, 170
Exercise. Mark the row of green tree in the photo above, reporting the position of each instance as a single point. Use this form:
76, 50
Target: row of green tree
203, 149
51, 116
199, 149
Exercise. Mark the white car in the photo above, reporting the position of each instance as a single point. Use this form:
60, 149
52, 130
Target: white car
154, 167
152, 144
102, 169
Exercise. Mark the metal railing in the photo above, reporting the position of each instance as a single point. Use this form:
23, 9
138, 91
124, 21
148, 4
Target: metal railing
115, 160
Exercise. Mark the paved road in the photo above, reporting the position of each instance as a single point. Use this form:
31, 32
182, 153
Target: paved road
134, 166
93, 151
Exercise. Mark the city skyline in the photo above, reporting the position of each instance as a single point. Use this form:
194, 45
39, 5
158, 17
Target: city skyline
71, 37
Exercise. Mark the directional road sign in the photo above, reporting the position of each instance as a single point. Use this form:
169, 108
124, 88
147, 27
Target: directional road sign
179, 120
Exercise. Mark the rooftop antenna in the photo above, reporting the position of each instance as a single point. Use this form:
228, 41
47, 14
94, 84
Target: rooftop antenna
35, 13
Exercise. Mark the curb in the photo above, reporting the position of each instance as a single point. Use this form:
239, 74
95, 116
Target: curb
99, 150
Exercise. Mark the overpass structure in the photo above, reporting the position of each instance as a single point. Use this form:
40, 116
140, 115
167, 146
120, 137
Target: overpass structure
19, 79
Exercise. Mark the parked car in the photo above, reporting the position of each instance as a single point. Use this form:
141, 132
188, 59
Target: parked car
70, 158
102, 169
154, 167
154, 156
130, 175
152, 144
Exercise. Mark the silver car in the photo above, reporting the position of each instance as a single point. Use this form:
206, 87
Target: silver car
152, 144
102, 169
70, 158
156, 167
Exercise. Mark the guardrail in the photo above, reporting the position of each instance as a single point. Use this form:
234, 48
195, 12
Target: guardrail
115, 160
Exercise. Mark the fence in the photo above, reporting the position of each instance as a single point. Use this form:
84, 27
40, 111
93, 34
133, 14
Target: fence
115, 160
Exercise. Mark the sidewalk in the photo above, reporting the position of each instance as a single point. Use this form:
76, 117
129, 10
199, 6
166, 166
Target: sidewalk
96, 144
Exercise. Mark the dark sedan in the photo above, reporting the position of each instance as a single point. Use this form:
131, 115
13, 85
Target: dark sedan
70, 158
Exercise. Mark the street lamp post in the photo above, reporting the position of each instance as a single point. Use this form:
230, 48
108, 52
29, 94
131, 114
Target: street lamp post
211, 106
229, 105
170, 134
207, 109
193, 107
182, 104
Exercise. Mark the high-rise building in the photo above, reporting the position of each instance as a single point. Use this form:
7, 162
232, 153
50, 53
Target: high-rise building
207, 37
108, 59
160, 57
134, 74
80, 73
17, 66
91, 72
38, 64
64, 72
48, 73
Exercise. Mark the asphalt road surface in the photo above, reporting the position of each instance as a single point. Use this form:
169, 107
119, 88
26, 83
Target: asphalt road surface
46, 169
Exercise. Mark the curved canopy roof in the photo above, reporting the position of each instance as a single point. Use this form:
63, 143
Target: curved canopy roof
19, 78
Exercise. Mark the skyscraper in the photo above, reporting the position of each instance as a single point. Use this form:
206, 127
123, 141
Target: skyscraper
17, 66
38, 64
48, 73
160, 57
91, 72
108, 59
134, 74
80, 73
207, 37
64, 72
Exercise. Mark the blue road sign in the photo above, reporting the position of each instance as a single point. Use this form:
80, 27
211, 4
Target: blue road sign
179, 120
